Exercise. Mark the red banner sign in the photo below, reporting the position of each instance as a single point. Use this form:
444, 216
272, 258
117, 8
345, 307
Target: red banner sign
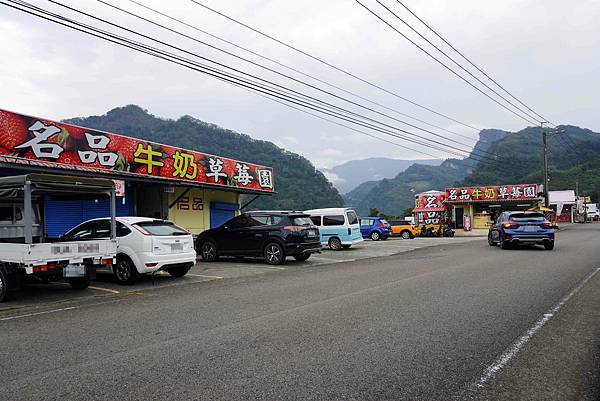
498, 193
433, 201
40, 142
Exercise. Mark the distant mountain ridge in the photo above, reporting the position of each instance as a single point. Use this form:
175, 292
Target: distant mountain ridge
298, 183
392, 196
349, 175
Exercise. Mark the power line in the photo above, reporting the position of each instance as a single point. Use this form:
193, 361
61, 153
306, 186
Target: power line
169, 57
239, 71
160, 54
292, 68
343, 71
445, 66
248, 61
454, 61
469, 61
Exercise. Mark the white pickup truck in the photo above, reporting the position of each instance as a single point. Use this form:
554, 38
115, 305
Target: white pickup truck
23, 251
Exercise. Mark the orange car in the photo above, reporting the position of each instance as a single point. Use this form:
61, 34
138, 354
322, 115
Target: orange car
403, 229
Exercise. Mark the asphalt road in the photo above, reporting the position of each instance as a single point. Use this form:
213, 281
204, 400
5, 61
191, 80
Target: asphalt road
430, 324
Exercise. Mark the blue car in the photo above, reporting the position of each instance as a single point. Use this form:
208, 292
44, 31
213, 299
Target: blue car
521, 228
375, 228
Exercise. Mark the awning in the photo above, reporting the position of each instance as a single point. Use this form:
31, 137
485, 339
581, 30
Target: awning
430, 209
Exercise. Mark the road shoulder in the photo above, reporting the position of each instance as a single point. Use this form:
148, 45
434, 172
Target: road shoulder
561, 362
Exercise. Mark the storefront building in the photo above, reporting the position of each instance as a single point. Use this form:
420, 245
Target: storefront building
477, 207
195, 190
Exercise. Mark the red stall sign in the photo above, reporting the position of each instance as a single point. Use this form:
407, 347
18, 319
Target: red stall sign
496, 193
44, 143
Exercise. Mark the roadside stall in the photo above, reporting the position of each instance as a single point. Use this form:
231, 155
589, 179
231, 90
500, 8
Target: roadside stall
563, 203
477, 207
430, 210
195, 190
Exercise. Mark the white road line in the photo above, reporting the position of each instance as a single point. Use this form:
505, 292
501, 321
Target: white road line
105, 289
38, 313
202, 275
273, 267
515, 347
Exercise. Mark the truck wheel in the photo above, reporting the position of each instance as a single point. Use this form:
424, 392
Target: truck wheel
3, 287
125, 271
79, 283
178, 271
5, 294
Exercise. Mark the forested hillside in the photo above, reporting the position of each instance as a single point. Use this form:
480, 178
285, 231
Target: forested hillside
573, 157
298, 184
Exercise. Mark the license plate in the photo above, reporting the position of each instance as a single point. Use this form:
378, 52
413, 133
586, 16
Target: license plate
176, 247
530, 228
312, 233
74, 271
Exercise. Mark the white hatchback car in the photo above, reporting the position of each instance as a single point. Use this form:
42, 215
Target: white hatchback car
145, 246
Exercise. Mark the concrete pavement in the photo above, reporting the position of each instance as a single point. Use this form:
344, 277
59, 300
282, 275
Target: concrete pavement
422, 325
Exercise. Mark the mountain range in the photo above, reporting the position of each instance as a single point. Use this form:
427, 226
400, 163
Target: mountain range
349, 175
517, 158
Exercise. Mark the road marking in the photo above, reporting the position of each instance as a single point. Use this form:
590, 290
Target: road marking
105, 289
515, 347
38, 313
202, 275
273, 267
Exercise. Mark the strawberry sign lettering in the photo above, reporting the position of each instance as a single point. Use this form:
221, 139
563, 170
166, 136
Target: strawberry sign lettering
44, 143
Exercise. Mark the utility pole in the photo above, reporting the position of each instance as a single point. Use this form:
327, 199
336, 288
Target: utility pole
545, 157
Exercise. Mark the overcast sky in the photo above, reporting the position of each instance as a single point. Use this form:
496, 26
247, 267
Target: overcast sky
544, 51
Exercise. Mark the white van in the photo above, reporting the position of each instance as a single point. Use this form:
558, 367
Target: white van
339, 227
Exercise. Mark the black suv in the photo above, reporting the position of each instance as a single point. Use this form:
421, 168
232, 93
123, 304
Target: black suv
272, 235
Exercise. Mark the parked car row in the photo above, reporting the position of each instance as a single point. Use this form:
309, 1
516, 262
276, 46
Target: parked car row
377, 228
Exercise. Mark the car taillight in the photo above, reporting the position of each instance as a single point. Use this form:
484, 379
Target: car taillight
381, 225
510, 224
293, 228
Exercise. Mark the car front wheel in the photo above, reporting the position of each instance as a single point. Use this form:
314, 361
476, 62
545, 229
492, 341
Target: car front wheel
490, 241
274, 254
208, 251
375, 236
549, 245
125, 271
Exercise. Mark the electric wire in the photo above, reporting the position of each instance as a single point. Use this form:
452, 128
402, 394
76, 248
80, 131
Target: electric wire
445, 66
279, 63
469, 61
272, 83
339, 69
452, 60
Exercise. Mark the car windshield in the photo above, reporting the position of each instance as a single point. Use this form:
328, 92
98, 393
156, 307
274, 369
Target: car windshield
527, 217
301, 221
161, 228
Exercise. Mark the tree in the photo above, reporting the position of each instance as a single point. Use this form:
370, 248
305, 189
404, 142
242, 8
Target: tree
373, 212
